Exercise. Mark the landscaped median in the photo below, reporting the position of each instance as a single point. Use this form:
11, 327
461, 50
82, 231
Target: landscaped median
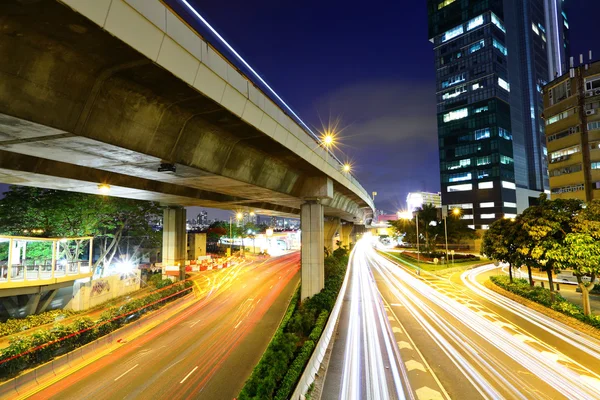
29, 351
281, 366
520, 291
410, 260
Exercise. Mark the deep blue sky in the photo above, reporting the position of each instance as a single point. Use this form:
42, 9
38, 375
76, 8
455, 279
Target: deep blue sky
370, 64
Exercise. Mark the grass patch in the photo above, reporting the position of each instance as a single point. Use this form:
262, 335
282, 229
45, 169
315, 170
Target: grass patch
278, 371
412, 263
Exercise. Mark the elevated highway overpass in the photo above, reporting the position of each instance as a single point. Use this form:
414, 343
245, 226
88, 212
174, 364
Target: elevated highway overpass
104, 92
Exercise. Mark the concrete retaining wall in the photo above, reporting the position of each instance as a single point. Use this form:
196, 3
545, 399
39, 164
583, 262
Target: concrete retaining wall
91, 294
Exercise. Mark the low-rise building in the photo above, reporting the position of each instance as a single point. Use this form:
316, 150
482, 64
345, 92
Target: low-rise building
572, 119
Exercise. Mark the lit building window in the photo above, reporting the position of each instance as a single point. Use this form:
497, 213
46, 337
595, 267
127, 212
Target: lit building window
488, 216
535, 28
568, 189
486, 205
445, 3
482, 134
485, 185
458, 164
476, 86
503, 84
477, 46
510, 204
464, 176
484, 173
558, 117
541, 27
467, 216
460, 188
510, 215
596, 165
453, 80
508, 185
475, 22
471, 226
485, 160
484, 227
506, 160
503, 133
456, 114
500, 47
496, 21
481, 109
452, 33
593, 126
563, 154
454, 92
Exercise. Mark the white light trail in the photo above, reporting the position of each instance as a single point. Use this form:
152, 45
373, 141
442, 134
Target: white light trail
468, 337
370, 346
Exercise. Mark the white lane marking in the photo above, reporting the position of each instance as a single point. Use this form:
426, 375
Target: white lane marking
404, 345
126, 372
188, 375
192, 325
427, 393
413, 364
271, 287
395, 329
396, 305
258, 301
238, 324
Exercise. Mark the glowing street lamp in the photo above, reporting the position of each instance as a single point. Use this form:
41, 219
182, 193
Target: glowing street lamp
104, 188
328, 139
408, 215
347, 167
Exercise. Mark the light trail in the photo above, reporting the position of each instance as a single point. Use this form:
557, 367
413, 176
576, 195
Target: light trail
570, 335
485, 351
372, 367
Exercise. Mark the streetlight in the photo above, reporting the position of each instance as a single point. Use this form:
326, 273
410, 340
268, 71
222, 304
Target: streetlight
347, 167
408, 215
456, 212
104, 188
238, 216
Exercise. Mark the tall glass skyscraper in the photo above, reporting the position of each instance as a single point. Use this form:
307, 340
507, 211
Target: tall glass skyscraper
492, 59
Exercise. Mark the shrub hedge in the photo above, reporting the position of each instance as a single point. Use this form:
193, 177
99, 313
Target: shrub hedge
43, 345
13, 326
282, 364
541, 295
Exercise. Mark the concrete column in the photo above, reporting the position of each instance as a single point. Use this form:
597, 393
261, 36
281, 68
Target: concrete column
32, 303
313, 255
174, 250
346, 232
46, 300
331, 227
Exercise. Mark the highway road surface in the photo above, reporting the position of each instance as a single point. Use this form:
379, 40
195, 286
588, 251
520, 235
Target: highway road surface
206, 351
451, 338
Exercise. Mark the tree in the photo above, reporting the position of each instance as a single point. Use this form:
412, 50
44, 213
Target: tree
580, 250
69, 214
499, 243
546, 226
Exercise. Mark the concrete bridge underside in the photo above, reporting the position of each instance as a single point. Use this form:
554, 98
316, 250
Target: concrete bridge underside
79, 108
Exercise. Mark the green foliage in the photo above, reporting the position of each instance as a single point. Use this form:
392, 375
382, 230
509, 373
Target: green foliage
45, 344
13, 326
278, 371
70, 214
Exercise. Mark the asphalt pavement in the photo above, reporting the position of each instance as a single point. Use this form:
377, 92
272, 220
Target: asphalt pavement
204, 352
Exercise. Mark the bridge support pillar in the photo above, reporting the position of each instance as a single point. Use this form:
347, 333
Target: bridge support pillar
313, 256
331, 227
346, 232
174, 248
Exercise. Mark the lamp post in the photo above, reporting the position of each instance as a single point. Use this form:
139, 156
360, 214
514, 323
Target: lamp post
239, 217
408, 216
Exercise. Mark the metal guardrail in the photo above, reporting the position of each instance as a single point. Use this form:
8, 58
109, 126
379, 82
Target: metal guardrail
315, 361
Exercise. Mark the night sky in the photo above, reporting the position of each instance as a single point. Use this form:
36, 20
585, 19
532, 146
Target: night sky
370, 66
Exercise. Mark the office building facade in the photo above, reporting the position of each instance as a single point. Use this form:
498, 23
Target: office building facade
492, 60
416, 200
572, 118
